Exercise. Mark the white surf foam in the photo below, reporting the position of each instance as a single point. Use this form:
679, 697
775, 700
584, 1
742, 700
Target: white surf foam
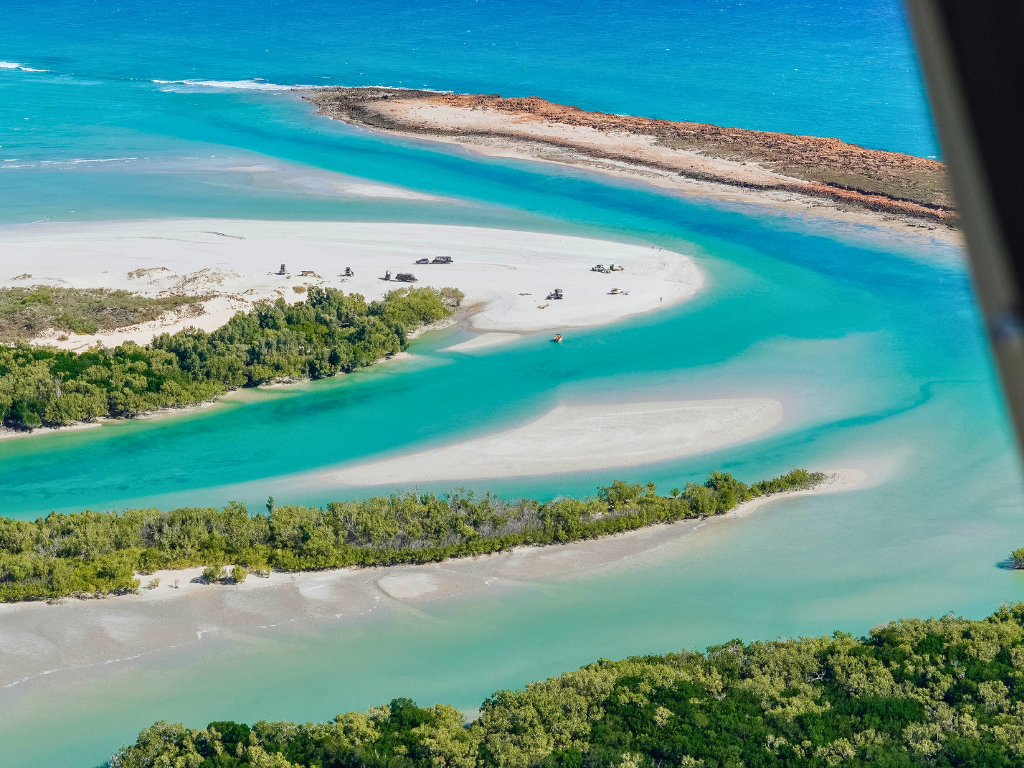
103, 160
19, 65
245, 85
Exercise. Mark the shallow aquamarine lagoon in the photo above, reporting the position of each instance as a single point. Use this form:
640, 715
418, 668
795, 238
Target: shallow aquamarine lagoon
870, 338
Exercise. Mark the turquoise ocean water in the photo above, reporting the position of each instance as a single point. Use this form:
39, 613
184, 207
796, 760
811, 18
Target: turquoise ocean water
871, 341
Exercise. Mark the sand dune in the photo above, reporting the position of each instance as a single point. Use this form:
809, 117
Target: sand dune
573, 438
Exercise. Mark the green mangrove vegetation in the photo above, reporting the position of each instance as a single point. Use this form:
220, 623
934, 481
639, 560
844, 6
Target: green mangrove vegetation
92, 553
327, 333
940, 692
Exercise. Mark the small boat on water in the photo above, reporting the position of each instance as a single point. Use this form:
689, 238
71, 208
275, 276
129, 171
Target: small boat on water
558, 337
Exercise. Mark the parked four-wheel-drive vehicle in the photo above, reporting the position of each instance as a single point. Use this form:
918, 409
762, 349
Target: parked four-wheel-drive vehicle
422, 261
405, 277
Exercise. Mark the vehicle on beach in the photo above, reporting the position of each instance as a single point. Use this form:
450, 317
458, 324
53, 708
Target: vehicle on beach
442, 260
555, 294
423, 261
348, 272
406, 277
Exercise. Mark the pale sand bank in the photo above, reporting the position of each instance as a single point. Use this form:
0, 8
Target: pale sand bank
13, 434
836, 481
41, 643
483, 341
505, 274
574, 438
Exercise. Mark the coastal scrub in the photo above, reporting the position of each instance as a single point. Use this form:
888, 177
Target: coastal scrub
98, 553
936, 692
330, 332
28, 312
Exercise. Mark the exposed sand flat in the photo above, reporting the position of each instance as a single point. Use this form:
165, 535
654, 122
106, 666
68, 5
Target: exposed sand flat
574, 438
40, 644
504, 274
408, 585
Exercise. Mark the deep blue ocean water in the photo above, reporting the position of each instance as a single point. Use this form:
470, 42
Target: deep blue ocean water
871, 340
820, 68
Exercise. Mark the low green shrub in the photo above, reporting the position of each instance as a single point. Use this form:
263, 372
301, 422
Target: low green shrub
938, 692
98, 552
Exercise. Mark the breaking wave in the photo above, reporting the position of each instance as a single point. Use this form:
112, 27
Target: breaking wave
18, 65
255, 84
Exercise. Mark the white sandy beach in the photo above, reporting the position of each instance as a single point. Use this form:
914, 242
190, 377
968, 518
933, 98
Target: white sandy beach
573, 438
505, 275
98, 637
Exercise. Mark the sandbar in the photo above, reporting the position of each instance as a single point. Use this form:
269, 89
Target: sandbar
574, 438
505, 274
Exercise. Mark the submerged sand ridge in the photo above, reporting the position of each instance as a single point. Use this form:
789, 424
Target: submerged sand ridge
504, 274
574, 438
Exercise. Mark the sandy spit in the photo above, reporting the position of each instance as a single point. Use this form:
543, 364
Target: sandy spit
626, 152
40, 641
505, 274
573, 438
